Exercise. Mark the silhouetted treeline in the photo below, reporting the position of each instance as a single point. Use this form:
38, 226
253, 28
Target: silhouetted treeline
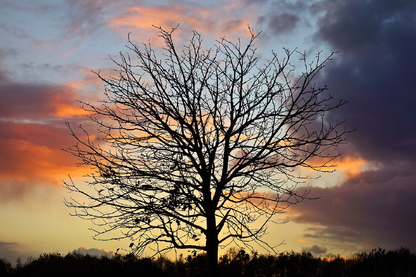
234, 263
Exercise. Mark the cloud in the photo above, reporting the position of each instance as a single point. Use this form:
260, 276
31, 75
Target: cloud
283, 17
32, 120
373, 208
33, 152
11, 251
4, 78
373, 204
283, 23
93, 252
216, 21
351, 165
8, 251
279, 22
86, 17
315, 249
374, 71
32, 102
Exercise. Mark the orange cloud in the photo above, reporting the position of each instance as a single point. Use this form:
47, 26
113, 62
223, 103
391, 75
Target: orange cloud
33, 134
37, 102
351, 165
90, 81
65, 110
64, 104
218, 21
32, 153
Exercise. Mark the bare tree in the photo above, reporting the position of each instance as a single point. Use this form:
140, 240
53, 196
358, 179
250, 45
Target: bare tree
199, 147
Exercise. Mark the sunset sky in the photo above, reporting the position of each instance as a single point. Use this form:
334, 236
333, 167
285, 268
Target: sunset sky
49, 48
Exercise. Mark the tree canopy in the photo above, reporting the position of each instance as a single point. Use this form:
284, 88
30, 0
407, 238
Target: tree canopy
200, 147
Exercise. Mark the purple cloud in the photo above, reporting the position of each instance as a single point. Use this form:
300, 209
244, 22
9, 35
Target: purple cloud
374, 71
374, 208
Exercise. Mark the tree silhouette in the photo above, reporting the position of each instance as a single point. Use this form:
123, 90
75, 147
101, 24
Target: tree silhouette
199, 147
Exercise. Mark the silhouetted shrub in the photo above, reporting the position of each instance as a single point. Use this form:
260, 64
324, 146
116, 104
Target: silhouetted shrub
5, 267
261, 265
234, 263
46, 265
196, 265
378, 262
335, 267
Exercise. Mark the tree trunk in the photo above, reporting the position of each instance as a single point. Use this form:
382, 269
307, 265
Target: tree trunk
212, 246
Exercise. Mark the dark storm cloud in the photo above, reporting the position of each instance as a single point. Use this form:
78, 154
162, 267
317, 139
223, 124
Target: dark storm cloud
374, 70
374, 208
